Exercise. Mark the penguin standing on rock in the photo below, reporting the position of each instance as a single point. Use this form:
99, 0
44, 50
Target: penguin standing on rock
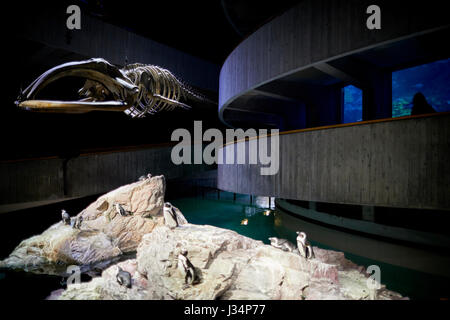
65, 217
186, 267
145, 177
123, 278
170, 216
120, 210
76, 222
304, 247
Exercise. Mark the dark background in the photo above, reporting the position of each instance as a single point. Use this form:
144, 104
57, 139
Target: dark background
207, 29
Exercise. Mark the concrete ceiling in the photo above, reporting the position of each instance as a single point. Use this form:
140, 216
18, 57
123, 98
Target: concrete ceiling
206, 29
349, 69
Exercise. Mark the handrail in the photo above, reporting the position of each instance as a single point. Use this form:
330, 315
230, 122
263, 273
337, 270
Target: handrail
342, 125
96, 151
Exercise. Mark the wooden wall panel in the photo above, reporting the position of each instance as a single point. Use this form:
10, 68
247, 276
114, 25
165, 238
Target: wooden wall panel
43, 179
398, 163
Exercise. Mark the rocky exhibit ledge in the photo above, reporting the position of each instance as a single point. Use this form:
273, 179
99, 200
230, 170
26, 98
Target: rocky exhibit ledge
178, 260
98, 236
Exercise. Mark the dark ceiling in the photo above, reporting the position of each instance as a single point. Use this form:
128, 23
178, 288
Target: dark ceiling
206, 29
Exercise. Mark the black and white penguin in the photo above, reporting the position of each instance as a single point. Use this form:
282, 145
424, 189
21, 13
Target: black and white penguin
65, 217
120, 210
170, 216
76, 222
145, 177
186, 267
123, 278
304, 247
282, 244
79, 221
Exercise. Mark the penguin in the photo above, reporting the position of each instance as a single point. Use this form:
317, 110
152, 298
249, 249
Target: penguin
123, 278
65, 217
282, 244
170, 217
120, 210
304, 247
145, 177
244, 222
76, 222
186, 267
79, 221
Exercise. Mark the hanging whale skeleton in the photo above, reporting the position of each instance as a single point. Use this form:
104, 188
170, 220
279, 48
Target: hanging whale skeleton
136, 89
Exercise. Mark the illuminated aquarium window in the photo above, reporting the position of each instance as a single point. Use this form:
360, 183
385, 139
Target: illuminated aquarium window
352, 104
431, 79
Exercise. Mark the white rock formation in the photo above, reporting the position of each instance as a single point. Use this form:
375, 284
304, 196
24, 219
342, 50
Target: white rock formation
230, 266
106, 286
103, 236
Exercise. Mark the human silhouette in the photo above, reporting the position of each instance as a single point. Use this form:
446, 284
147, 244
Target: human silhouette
420, 105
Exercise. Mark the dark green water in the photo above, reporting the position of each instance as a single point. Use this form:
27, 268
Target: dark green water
229, 214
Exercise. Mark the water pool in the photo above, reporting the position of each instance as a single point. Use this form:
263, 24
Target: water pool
228, 215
